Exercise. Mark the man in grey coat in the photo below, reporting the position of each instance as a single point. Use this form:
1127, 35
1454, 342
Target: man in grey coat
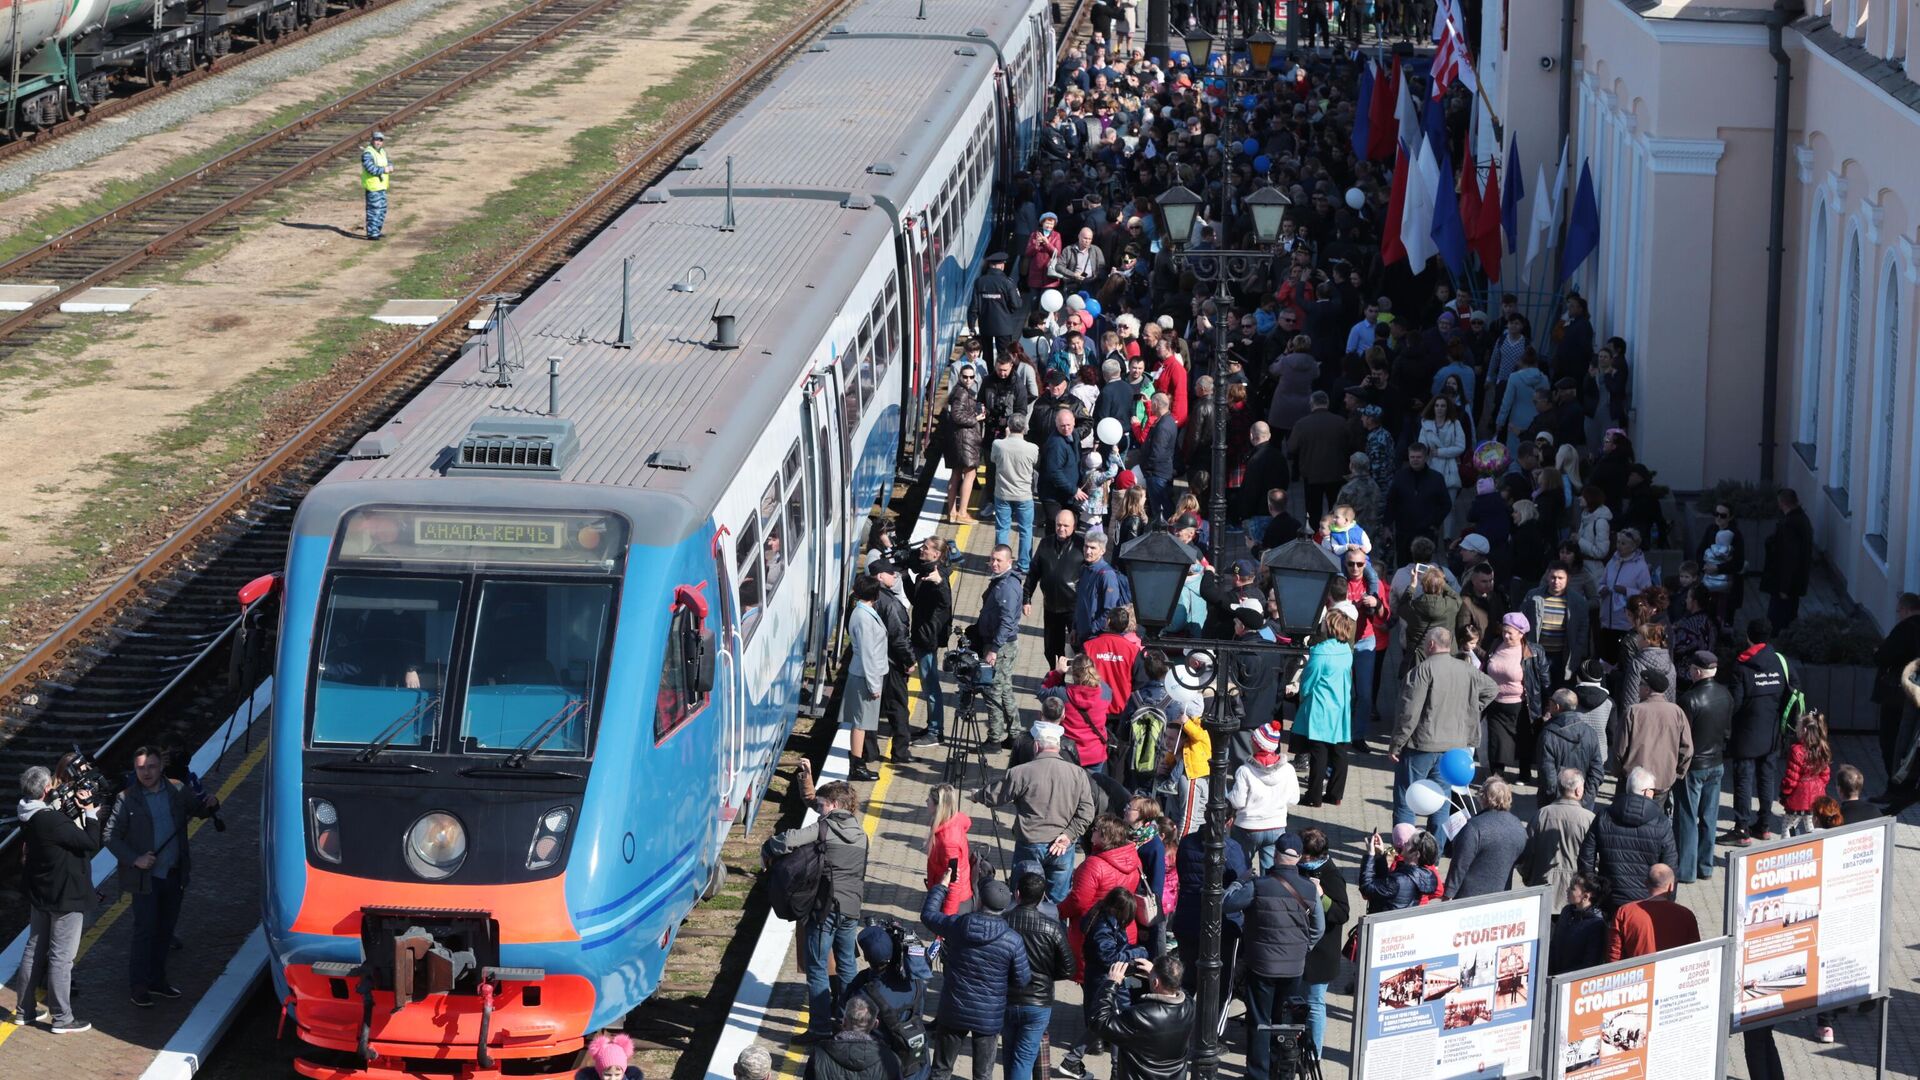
832, 929
148, 834
1488, 849
1567, 742
1558, 830
1439, 711
866, 672
1053, 807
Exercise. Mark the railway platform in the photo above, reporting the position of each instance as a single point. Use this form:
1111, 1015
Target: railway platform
772, 1008
217, 924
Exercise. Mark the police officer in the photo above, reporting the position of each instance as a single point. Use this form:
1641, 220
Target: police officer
998, 311
375, 173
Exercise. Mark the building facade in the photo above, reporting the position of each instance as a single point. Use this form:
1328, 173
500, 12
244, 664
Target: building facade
1673, 108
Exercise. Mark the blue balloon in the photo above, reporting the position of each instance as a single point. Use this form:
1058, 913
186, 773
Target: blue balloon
1251, 146
1262, 164
1093, 308
1456, 767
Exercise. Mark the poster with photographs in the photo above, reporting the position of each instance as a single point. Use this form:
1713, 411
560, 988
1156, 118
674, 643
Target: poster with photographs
1453, 990
1658, 1017
1808, 921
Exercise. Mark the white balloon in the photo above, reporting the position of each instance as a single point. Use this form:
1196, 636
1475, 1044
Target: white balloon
1051, 301
1356, 198
1109, 431
1426, 798
1075, 303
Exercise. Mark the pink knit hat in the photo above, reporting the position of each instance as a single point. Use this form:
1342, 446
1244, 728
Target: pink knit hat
612, 1053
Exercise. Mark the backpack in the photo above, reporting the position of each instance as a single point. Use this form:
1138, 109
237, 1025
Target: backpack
1794, 706
1144, 728
797, 881
906, 1035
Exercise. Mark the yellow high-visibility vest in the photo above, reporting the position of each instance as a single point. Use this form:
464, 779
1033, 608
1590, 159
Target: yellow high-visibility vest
374, 181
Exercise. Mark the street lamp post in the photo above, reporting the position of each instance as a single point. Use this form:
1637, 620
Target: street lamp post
1157, 564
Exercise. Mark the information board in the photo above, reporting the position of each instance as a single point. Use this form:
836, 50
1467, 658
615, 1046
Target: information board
1808, 917
1453, 989
1656, 1017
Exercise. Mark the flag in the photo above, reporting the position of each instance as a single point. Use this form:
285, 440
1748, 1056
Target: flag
1406, 155
1445, 67
1469, 198
1540, 223
1380, 124
1363, 111
1449, 233
1446, 13
1583, 227
1483, 231
1511, 196
1416, 216
1451, 59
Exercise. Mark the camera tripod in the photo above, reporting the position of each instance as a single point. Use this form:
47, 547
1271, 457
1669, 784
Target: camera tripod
965, 738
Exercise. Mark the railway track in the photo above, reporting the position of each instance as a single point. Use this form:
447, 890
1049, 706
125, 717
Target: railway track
161, 220
253, 48
147, 659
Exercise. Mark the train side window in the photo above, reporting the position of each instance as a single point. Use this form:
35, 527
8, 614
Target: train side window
882, 341
849, 394
866, 362
892, 320
746, 560
829, 498
686, 672
796, 498
774, 549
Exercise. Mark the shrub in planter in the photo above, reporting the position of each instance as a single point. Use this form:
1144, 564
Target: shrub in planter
1829, 639
1749, 502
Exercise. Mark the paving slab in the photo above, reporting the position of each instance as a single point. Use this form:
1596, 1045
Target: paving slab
105, 301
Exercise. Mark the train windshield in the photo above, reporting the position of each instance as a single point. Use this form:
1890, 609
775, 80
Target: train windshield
384, 653
538, 648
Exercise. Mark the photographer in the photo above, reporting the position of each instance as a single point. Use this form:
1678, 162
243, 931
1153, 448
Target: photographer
1150, 1035
58, 852
148, 834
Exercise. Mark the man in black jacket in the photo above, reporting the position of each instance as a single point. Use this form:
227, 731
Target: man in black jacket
1150, 1036
931, 622
1030, 1008
58, 853
1625, 842
998, 311
1890, 660
1323, 960
1789, 567
1696, 799
1284, 922
1058, 559
986, 962
1760, 687
1416, 500
895, 709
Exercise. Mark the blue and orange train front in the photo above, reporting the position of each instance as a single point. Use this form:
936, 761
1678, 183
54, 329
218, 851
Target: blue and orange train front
469, 864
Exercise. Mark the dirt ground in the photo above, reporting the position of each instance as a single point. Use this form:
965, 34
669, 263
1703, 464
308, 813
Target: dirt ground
250, 307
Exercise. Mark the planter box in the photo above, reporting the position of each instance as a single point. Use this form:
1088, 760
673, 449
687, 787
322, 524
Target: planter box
1844, 692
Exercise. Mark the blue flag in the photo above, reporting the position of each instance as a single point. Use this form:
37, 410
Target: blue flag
1511, 195
1449, 232
1583, 227
1361, 112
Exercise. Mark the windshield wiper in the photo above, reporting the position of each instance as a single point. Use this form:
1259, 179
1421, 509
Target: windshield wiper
392, 731
357, 765
518, 771
548, 729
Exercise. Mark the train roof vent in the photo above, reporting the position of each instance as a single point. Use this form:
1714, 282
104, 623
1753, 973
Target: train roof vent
374, 444
539, 445
674, 458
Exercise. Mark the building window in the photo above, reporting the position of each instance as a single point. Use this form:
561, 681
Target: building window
1815, 349
1849, 374
1880, 506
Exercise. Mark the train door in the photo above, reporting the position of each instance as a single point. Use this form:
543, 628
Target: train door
729, 683
826, 492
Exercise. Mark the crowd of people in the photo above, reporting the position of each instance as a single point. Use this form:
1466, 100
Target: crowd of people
1474, 480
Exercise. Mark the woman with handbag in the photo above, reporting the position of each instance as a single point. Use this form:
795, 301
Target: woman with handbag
1325, 693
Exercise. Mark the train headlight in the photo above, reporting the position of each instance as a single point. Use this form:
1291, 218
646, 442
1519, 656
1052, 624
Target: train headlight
549, 837
436, 845
323, 825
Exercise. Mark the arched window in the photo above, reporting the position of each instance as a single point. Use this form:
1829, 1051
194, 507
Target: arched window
1848, 375
1814, 350
1885, 368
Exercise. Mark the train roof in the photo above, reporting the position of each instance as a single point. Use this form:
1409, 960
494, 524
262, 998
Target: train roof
670, 392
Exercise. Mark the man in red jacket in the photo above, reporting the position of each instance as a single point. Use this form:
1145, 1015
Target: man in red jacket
1658, 922
1113, 654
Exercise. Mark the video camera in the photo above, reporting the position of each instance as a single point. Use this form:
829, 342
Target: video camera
962, 662
86, 783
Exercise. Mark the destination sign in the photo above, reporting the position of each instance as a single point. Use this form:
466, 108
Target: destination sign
480, 532
446, 535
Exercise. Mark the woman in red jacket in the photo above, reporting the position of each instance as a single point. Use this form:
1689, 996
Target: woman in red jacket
1114, 864
1809, 767
947, 843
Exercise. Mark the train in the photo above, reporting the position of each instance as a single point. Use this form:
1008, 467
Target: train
63, 57
542, 634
